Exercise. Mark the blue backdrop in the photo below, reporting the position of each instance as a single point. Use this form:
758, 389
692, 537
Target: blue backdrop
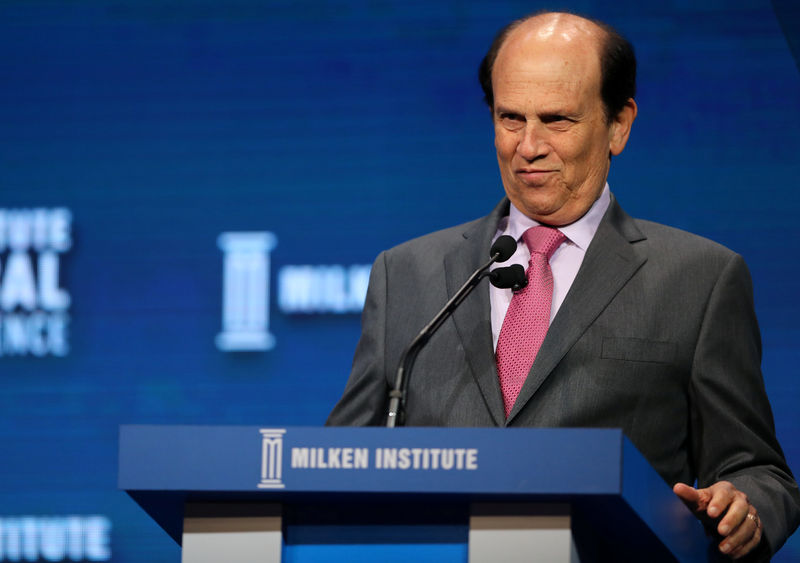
133, 134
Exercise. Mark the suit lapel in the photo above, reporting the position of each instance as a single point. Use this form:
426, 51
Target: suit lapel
609, 263
472, 318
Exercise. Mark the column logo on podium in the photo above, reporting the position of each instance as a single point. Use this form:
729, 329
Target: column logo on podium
271, 458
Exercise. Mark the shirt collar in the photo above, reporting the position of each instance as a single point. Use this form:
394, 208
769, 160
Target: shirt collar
580, 233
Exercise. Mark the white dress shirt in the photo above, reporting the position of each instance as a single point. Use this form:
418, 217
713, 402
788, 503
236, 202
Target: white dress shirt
564, 262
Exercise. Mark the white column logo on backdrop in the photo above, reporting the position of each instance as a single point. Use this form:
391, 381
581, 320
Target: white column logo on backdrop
245, 291
301, 290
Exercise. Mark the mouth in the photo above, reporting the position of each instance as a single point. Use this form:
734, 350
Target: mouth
534, 176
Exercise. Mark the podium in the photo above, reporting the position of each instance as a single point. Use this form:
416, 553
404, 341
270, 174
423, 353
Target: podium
293, 494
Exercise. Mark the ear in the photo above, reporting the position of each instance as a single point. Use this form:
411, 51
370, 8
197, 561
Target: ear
621, 127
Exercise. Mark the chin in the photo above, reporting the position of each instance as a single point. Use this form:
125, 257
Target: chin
541, 205
538, 213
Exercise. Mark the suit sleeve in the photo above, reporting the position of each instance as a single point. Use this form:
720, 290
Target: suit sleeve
732, 426
365, 398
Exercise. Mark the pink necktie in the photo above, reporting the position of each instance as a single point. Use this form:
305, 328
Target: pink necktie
528, 316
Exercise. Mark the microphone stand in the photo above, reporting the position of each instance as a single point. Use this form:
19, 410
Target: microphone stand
397, 396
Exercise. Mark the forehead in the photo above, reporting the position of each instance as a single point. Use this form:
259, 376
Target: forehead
544, 60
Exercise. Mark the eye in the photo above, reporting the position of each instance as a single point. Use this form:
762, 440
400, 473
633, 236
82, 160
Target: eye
512, 121
556, 121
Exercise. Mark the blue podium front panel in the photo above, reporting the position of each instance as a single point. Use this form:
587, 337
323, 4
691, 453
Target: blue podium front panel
403, 460
405, 489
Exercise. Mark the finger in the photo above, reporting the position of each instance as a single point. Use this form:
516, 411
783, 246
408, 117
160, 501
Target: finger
736, 514
722, 495
748, 543
739, 537
686, 492
691, 496
747, 548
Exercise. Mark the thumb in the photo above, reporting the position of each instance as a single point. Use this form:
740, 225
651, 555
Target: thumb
687, 494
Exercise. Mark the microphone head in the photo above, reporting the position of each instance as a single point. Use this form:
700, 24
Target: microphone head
504, 247
512, 276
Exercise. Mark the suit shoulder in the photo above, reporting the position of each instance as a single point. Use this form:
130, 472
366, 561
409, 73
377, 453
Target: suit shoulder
438, 243
435, 243
677, 241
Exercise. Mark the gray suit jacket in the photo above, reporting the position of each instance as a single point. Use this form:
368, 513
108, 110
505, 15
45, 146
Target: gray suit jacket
656, 336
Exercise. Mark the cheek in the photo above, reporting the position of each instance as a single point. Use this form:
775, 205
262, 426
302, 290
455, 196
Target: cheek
505, 144
587, 154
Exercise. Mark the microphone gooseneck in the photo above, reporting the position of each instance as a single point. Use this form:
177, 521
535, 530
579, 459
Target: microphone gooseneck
502, 249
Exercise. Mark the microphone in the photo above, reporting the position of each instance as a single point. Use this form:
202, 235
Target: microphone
509, 277
502, 249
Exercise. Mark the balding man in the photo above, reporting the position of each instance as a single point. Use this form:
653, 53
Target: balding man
623, 323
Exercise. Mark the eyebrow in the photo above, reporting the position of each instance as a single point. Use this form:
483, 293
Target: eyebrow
499, 110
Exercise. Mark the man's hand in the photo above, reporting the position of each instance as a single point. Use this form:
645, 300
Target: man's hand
739, 525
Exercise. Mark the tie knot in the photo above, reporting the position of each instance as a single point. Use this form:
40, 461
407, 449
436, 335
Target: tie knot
543, 240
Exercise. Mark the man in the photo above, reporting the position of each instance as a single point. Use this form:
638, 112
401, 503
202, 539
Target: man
644, 327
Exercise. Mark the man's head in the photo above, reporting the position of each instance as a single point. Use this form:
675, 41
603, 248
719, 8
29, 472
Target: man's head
555, 127
617, 63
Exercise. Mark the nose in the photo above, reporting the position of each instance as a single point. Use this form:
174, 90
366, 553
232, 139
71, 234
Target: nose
532, 145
